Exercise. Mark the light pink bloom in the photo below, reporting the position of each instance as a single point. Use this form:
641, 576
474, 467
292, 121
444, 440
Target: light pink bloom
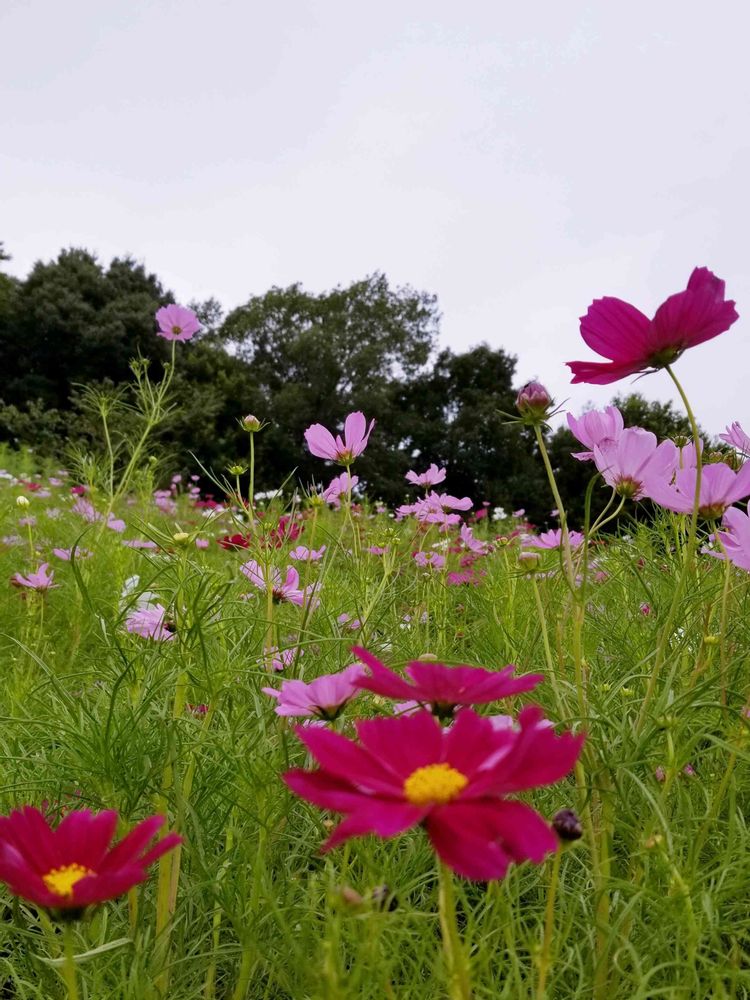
322, 443
38, 580
346, 619
736, 537
633, 458
27, 522
339, 488
303, 554
431, 477
737, 438
325, 697
287, 589
177, 322
150, 623
720, 488
86, 510
595, 427
201, 543
116, 524
67, 554
552, 539
377, 550
139, 543
472, 543
276, 660
432, 559
634, 343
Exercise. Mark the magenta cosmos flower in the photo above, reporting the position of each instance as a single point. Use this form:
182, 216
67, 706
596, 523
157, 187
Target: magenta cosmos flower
324, 697
595, 427
737, 438
73, 866
635, 457
720, 488
552, 540
287, 589
431, 477
634, 343
177, 322
736, 537
408, 770
39, 580
323, 444
442, 688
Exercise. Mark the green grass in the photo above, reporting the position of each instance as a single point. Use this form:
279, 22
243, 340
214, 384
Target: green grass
86, 719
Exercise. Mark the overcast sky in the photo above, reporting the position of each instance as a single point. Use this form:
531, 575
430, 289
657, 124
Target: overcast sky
518, 160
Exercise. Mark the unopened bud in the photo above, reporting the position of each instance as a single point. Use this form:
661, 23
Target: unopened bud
250, 424
529, 560
22, 501
567, 825
533, 402
181, 537
237, 470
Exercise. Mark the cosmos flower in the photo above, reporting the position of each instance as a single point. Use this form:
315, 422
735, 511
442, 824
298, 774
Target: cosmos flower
74, 866
287, 589
736, 537
720, 487
39, 580
408, 770
303, 554
324, 697
431, 477
177, 322
150, 622
442, 688
552, 540
595, 427
634, 343
339, 488
322, 443
736, 436
633, 458
432, 559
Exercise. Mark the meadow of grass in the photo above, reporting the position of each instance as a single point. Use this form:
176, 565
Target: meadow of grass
650, 902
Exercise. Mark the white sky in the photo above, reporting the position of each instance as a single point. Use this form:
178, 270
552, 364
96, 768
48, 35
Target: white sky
517, 159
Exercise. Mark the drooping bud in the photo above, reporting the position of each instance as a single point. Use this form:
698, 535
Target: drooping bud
22, 502
567, 825
533, 402
250, 423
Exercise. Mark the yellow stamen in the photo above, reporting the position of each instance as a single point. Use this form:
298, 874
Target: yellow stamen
61, 880
434, 784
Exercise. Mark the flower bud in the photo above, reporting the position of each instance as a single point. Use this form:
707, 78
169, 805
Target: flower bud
22, 501
567, 825
533, 402
181, 537
250, 424
529, 560
237, 469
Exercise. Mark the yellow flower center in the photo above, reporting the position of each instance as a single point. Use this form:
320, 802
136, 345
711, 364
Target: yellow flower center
434, 784
61, 880
177, 330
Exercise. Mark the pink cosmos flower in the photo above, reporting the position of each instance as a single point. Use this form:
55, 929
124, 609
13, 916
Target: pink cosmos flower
322, 443
473, 544
324, 697
67, 554
720, 488
553, 540
287, 589
431, 477
458, 579
408, 770
432, 559
150, 622
633, 458
177, 322
736, 537
442, 688
279, 660
303, 554
39, 580
86, 510
139, 543
737, 438
338, 488
595, 427
633, 343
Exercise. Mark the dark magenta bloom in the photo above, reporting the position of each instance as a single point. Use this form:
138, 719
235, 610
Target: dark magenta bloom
409, 770
634, 343
73, 866
442, 688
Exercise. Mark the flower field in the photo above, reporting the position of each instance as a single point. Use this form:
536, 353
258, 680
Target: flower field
301, 745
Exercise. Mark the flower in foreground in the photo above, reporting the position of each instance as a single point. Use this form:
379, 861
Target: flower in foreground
324, 697
635, 457
323, 444
442, 688
286, 589
634, 343
150, 622
720, 487
73, 866
595, 427
408, 770
177, 322
736, 537
39, 580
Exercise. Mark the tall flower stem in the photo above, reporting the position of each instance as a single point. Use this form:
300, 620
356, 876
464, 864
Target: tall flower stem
565, 536
457, 966
251, 488
545, 957
687, 566
69, 971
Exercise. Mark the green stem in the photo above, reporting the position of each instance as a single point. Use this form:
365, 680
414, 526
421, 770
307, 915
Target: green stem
457, 967
545, 958
69, 972
251, 488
